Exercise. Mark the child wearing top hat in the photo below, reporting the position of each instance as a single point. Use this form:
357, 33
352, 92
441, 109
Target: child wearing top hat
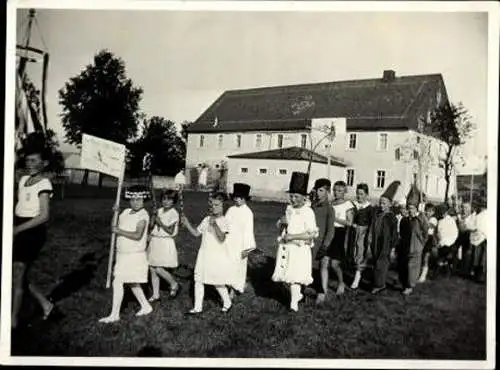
294, 258
242, 240
131, 266
413, 235
383, 237
325, 216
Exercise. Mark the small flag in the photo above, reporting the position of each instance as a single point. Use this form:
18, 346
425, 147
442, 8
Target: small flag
102, 156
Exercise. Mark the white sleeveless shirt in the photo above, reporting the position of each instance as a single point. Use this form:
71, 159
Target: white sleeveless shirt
341, 211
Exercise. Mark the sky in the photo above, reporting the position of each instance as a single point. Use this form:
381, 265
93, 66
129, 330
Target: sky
185, 60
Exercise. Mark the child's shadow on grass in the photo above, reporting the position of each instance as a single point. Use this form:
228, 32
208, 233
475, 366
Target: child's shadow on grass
77, 279
260, 272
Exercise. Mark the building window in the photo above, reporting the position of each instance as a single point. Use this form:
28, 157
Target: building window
426, 183
418, 139
238, 141
280, 141
220, 141
415, 178
353, 138
397, 154
244, 169
262, 171
258, 140
415, 154
382, 141
202, 141
380, 183
282, 171
350, 177
303, 140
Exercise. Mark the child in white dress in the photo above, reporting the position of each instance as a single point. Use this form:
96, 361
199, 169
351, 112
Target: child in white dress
294, 255
162, 253
214, 263
131, 266
241, 242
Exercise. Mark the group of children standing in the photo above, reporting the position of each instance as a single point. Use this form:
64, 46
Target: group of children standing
335, 232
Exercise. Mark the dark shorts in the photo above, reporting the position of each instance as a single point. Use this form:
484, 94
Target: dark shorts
27, 244
429, 245
336, 251
443, 253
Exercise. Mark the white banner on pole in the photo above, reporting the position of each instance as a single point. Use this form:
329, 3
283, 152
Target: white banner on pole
102, 156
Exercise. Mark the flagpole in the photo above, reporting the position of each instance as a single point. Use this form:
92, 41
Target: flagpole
114, 223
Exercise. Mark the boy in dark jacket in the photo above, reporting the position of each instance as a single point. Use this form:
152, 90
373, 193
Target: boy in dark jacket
383, 237
414, 231
325, 216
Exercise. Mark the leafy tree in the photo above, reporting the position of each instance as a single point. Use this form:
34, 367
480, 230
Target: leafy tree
101, 101
451, 124
184, 127
161, 139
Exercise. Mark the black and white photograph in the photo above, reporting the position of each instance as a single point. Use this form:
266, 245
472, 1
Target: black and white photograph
266, 183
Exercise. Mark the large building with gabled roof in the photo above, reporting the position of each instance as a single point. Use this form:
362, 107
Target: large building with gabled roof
376, 121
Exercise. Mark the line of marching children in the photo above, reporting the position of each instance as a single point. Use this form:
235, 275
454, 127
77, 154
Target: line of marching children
334, 231
338, 233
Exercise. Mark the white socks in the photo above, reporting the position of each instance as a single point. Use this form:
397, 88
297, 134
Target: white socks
296, 296
357, 279
199, 293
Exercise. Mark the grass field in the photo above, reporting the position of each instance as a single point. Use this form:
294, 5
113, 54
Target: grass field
444, 319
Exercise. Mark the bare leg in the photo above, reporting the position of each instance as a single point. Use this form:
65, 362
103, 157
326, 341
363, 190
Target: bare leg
168, 277
224, 294
425, 268
46, 305
340, 276
155, 283
117, 302
325, 265
18, 276
145, 305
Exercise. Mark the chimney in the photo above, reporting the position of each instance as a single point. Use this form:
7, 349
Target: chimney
389, 75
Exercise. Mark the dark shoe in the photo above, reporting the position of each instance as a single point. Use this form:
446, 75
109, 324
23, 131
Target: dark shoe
174, 292
378, 290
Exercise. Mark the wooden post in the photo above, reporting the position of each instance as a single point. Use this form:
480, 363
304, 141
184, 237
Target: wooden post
113, 235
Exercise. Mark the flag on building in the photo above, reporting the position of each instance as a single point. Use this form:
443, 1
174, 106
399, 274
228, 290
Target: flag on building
102, 156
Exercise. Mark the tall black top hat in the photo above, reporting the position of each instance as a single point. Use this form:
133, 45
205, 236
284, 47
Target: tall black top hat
241, 190
298, 183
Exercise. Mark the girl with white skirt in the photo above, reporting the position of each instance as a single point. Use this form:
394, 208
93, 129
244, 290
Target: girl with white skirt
162, 252
214, 263
294, 255
131, 266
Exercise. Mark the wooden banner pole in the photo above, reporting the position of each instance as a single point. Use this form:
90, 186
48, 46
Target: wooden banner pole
113, 235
